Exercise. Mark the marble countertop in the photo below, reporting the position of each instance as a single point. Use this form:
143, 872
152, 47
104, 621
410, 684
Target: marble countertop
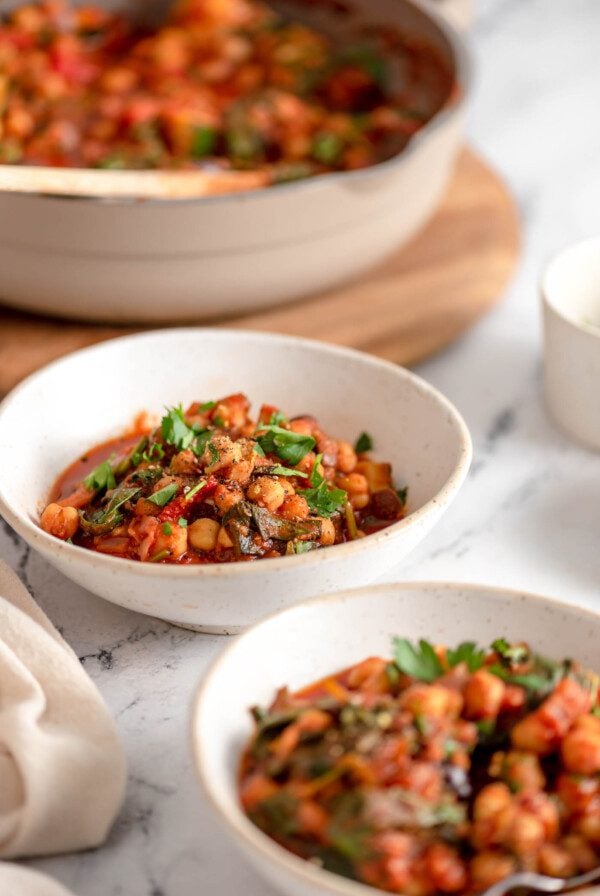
528, 516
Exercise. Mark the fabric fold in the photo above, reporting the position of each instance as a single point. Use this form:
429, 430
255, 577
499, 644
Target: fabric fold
62, 769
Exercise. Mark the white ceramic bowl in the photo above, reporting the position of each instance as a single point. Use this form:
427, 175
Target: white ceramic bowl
177, 259
459, 12
94, 394
323, 635
571, 310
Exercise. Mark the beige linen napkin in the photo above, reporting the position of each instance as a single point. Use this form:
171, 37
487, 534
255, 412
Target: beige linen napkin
62, 769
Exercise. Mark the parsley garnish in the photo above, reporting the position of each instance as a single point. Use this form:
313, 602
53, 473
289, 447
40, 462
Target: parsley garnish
468, 652
175, 430
321, 499
278, 470
164, 495
182, 522
207, 406
167, 529
289, 446
277, 418
102, 477
420, 661
363, 443
193, 491
402, 494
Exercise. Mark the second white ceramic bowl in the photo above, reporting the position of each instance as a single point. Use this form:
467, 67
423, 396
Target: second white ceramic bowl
178, 259
324, 635
93, 395
571, 312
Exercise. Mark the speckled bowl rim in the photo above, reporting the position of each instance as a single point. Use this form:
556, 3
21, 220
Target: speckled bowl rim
463, 76
35, 536
549, 303
235, 819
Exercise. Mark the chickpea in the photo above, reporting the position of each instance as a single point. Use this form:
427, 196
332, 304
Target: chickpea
175, 541
582, 853
353, 483
62, 522
327, 531
488, 868
203, 534
521, 771
346, 457
266, 491
295, 507
227, 496
589, 825
581, 747
242, 471
446, 868
307, 463
490, 800
302, 426
556, 861
224, 540
531, 735
433, 701
184, 462
287, 487
526, 834
484, 694
359, 502
228, 453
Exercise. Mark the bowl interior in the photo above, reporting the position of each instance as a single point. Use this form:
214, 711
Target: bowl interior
572, 284
323, 635
93, 395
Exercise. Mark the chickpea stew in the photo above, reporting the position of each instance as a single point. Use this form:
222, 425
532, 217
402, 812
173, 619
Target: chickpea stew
223, 84
212, 485
439, 771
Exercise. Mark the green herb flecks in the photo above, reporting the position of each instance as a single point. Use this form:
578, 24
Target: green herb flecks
278, 470
101, 478
194, 491
363, 443
289, 446
468, 652
164, 495
321, 499
106, 519
419, 661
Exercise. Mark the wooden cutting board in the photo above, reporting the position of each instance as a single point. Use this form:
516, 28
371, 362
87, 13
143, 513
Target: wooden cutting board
418, 301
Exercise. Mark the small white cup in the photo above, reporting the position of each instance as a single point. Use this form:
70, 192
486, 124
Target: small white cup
571, 308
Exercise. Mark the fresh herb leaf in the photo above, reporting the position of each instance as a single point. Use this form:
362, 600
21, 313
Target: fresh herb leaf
213, 453
162, 555
402, 494
278, 470
175, 430
167, 529
303, 547
363, 443
154, 452
194, 491
164, 495
321, 499
207, 406
468, 652
105, 520
182, 522
101, 477
277, 418
533, 682
289, 446
258, 450
510, 654
419, 662
201, 441
218, 421
204, 140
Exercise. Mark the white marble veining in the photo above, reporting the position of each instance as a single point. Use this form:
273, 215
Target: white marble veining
529, 515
